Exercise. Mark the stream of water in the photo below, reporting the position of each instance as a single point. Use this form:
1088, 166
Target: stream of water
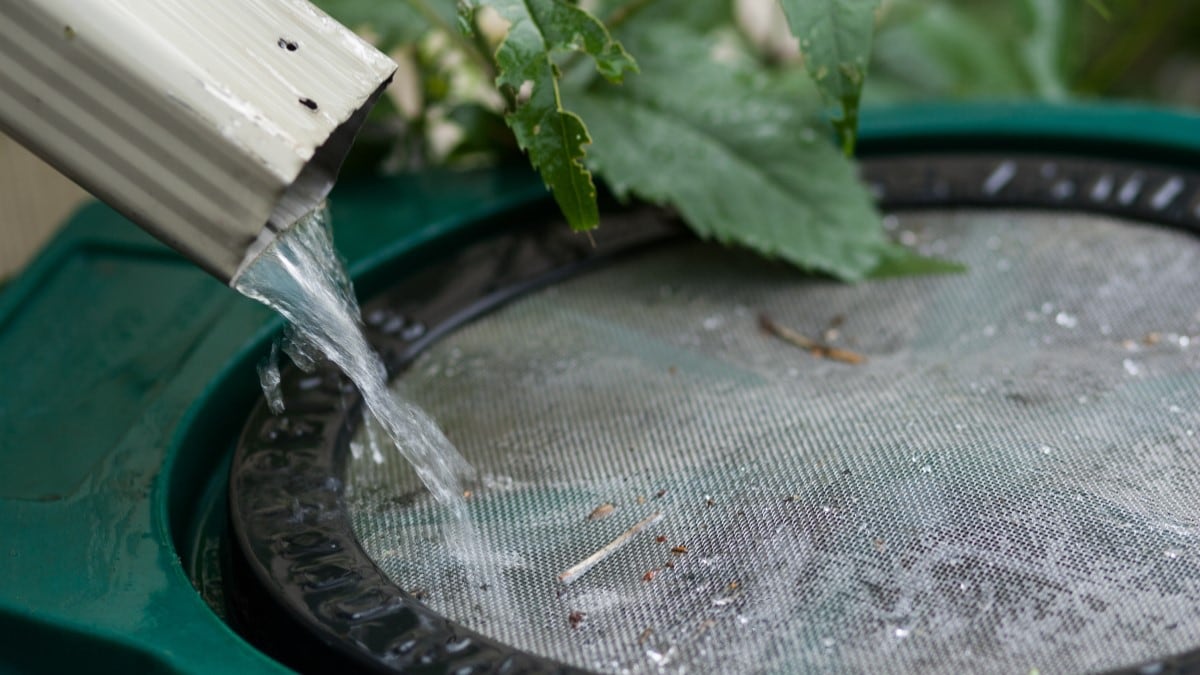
300, 276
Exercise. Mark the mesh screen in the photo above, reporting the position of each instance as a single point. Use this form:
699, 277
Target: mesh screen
1008, 483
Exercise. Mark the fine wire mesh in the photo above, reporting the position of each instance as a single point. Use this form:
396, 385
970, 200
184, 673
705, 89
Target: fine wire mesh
1010, 482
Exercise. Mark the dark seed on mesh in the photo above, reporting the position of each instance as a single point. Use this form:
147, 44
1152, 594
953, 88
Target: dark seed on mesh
575, 618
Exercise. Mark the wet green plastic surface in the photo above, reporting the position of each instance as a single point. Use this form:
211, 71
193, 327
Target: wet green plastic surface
125, 375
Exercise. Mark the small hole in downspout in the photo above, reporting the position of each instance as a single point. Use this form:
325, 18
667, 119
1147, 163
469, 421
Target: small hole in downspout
289, 45
308, 103
68, 32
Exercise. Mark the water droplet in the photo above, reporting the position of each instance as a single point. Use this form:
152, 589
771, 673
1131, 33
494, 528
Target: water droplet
413, 331
269, 378
828, 642
713, 322
376, 317
1063, 189
1167, 193
901, 633
1171, 553
1131, 188
1000, 177
1066, 320
1046, 449
1103, 188
926, 469
1132, 367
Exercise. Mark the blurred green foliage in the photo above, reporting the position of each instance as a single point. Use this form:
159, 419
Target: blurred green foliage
739, 95
1048, 49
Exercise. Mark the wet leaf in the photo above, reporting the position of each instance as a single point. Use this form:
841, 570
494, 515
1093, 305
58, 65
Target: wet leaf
835, 39
553, 136
743, 159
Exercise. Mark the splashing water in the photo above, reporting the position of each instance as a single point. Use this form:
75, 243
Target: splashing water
300, 276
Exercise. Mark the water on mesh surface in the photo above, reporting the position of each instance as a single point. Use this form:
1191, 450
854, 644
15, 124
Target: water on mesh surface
1008, 483
300, 276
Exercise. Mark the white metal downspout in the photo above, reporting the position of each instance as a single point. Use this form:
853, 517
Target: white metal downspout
212, 124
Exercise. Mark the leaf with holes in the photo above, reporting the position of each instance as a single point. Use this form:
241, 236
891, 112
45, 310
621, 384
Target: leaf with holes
553, 137
835, 39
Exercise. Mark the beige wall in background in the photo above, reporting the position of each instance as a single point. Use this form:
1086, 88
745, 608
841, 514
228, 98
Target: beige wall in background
34, 201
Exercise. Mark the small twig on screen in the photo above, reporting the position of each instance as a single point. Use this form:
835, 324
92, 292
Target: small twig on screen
589, 562
813, 347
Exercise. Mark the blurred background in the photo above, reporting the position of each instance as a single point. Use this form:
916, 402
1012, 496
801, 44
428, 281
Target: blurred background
34, 201
1132, 50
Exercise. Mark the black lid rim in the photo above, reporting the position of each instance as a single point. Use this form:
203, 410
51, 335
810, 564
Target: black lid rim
291, 526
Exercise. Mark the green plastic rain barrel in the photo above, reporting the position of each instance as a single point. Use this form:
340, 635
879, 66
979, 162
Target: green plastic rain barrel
988, 471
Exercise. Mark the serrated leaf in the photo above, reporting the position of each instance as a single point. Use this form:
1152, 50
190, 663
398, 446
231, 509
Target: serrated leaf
739, 158
553, 137
835, 39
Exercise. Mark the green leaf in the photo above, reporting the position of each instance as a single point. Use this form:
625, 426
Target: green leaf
1101, 9
394, 22
696, 14
1042, 48
938, 50
553, 137
740, 156
901, 262
835, 39
935, 50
